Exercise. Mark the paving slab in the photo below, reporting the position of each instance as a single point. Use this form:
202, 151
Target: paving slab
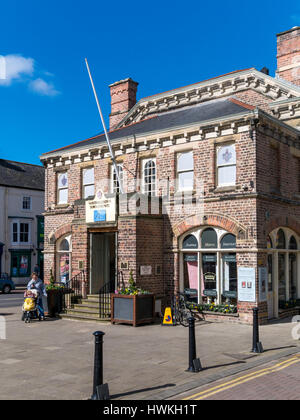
55, 357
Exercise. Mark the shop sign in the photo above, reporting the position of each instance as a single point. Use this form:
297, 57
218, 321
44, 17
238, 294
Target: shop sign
209, 257
229, 257
246, 284
190, 258
263, 281
229, 294
210, 292
101, 209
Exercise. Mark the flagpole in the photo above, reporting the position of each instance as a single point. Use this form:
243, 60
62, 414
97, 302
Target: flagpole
105, 131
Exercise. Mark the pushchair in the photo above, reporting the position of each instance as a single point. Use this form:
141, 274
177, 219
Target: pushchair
30, 307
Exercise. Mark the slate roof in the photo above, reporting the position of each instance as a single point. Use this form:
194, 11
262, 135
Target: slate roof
192, 114
22, 175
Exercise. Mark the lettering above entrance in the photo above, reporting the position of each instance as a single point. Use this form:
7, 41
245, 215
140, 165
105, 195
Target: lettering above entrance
101, 209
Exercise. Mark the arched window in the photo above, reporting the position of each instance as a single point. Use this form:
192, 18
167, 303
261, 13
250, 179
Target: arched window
149, 177
293, 243
64, 245
209, 238
228, 241
190, 242
63, 259
280, 239
269, 243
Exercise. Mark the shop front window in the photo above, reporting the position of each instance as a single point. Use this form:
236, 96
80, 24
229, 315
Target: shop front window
20, 264
209, 270
281, 278
190, 276
209, 265
270, 273
293, 276
229, 271
64, 259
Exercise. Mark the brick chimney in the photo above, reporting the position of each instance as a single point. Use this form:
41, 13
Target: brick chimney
123, 98
288, 55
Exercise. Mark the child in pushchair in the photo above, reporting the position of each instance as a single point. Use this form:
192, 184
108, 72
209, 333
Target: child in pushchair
30, 307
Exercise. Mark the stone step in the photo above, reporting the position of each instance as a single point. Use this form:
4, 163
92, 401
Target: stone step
85, 312
94, 302
85, 319
91, 307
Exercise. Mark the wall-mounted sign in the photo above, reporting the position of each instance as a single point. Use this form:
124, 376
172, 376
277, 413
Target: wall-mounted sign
229, 294
146, 270
124, 265
190, 257
263, 282
101, 209
210, 292
246, 284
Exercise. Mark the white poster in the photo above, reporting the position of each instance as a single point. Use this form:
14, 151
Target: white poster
246, 284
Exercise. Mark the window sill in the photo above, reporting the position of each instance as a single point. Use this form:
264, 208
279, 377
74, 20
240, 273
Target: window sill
62, 206
225, 188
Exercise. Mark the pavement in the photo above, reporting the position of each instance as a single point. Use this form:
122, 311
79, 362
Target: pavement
54, 359
271, 381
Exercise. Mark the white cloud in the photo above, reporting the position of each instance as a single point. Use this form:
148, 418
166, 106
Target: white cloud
42, 87
15, 67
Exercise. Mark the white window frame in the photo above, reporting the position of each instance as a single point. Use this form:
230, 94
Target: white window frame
190, 170
219, 147
145, 185
18, 223
59, 174
27, 199
114, 187
88, 184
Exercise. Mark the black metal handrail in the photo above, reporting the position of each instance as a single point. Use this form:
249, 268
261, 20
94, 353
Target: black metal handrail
75, 289
104, 299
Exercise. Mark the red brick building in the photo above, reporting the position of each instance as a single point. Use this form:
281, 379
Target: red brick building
211, 203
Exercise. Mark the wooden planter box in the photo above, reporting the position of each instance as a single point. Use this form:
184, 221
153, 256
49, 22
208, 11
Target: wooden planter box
133, 310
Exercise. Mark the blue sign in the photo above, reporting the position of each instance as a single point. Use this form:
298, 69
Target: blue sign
99, 215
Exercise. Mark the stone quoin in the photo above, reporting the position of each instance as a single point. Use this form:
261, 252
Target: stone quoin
211, 203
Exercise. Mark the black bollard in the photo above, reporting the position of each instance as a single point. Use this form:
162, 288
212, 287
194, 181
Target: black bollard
98, 363
256, 344
194, 364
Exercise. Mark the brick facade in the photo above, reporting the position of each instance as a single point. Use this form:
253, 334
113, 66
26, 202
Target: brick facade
266, 195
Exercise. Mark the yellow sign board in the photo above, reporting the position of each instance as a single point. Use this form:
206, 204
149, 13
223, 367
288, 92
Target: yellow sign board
168, 319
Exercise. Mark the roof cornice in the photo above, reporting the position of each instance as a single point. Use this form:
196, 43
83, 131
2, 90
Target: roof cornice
215, 88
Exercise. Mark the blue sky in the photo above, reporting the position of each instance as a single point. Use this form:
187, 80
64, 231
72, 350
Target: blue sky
46, 102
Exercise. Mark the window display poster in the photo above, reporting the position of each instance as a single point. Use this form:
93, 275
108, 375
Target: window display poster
263, 281
246, 284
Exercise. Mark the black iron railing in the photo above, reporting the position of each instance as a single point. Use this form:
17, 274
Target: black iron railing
104, 299
75, 290
105, 295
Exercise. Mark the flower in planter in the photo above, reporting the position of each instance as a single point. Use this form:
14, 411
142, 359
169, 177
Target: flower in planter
132, 289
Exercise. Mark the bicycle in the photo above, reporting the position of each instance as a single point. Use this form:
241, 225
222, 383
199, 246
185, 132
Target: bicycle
181, 312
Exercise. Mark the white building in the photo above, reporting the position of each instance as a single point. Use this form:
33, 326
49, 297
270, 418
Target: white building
21, 221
